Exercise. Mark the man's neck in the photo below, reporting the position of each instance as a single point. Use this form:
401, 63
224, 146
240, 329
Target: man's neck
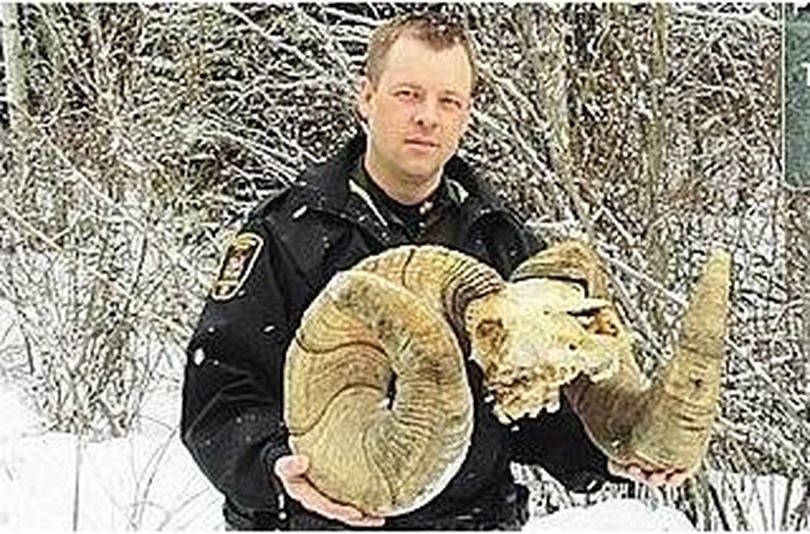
402, 190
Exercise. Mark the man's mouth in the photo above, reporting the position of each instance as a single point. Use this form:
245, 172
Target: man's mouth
420, 142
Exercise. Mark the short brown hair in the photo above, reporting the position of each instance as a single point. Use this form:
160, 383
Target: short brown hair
436, 29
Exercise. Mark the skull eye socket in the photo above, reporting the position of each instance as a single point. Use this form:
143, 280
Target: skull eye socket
489, 327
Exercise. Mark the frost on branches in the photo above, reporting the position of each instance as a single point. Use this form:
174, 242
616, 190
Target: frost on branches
136, 137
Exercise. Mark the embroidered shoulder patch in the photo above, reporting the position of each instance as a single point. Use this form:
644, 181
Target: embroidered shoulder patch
236, 265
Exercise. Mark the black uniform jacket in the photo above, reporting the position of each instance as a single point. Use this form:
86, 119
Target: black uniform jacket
232, 420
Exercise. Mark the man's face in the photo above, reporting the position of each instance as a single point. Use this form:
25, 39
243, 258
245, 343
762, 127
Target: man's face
419, 109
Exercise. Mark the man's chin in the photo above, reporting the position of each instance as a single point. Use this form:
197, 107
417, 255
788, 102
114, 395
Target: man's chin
424, 169
421, 174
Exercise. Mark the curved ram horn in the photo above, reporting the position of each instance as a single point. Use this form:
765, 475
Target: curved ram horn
570, 261
446, 279
675, 428
667, 423
388, 319
393, 317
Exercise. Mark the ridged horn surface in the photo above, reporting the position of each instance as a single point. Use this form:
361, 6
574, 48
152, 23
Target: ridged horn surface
446, 279
383, 456
675, 428
666, 424
570, 260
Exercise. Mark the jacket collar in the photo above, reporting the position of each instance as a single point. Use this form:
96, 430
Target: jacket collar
329, 187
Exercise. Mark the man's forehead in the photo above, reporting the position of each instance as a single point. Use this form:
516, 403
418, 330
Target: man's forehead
412, 61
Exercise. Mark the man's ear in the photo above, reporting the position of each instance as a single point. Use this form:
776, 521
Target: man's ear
364, 97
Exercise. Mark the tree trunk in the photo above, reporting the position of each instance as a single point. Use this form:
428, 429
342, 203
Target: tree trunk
15, 71
654, 138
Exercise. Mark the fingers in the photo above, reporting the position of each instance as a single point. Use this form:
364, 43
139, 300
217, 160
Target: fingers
291, 471
652, 477
315, 501
678, 478
657, 478
291, 466
635, 472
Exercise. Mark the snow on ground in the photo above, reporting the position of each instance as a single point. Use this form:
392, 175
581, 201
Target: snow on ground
616, 515
145, 481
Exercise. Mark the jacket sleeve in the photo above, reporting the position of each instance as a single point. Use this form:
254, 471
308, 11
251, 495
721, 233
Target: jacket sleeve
558, 443
232, 417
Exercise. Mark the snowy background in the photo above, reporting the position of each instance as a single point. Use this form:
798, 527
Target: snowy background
134, 138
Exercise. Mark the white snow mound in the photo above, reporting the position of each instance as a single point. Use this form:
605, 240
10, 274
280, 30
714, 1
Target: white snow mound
617, 515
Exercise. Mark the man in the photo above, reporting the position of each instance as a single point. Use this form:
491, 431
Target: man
402, 184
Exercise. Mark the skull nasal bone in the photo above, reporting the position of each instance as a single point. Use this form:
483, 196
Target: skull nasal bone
526, 353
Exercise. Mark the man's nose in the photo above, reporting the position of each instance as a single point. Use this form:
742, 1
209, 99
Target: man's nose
427, 111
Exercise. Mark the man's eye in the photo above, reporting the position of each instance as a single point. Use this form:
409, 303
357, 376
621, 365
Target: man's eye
451, 103
405, 94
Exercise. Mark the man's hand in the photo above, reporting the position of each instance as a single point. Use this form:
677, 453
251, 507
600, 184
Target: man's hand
668, 477
291, 470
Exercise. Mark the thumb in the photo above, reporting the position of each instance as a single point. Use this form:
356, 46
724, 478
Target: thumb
292, 466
